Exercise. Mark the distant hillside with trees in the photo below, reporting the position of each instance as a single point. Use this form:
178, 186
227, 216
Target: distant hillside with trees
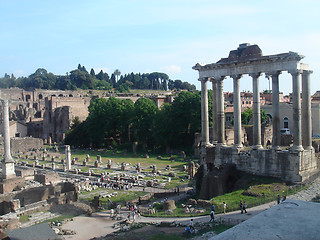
80, 78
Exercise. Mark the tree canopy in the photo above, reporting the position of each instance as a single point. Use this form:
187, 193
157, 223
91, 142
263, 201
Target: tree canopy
82, 79
116, 121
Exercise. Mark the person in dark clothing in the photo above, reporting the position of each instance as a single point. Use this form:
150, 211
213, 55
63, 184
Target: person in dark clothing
244, 207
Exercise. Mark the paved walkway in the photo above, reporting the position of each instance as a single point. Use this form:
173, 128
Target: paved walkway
100, 224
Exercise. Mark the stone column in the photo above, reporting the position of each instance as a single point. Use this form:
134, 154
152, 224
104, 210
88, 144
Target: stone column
296, 102
7, 162
256, 112
68, 157
220, 112
275, 111
204, 112
306, 111
214, 111
237, 110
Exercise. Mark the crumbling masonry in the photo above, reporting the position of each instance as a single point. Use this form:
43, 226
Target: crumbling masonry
294, 165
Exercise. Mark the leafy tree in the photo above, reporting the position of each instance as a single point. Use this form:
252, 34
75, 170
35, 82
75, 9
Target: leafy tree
145, 111
247, 115
81, 79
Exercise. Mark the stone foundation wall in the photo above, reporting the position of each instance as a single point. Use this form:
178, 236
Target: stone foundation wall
47, 177
287, 165
22, 144
8, 185
60, 193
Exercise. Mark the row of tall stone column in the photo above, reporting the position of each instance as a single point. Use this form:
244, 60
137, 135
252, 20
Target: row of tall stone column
302, 140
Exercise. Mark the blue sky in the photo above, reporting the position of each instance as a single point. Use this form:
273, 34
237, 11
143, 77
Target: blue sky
169, 36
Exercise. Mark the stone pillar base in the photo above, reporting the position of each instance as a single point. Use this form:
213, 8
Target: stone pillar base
8, 170
297, 148
219, 145
256, 147
238, 146
308, 148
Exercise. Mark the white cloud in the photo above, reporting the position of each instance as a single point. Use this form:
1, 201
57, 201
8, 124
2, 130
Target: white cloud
172, 69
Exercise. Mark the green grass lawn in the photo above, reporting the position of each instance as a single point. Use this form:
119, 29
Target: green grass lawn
260, 190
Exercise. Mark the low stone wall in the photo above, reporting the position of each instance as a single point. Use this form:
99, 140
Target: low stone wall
22, 144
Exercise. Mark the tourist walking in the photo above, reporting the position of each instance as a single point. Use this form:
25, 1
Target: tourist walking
278, 199
244, 206
212, 216
224, 207
191, 225
241, 206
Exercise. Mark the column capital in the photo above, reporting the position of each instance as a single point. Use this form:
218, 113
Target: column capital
220, 78
255, 75
307, 72
295, 72
274, 73
203, 79
236, 76
213, 80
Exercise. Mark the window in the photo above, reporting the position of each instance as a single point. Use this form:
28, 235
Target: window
17, 134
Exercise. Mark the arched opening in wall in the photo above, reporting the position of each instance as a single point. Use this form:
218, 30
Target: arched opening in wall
285, 122
28, 97
60, 95
53, 95
40, 96
268, 143
70, 95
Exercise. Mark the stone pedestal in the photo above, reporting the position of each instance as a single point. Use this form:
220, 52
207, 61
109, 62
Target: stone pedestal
123, 167
96, 163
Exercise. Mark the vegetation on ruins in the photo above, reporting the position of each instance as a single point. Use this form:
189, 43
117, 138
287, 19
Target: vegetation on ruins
116, 121
258, 190
80, 78
247, 115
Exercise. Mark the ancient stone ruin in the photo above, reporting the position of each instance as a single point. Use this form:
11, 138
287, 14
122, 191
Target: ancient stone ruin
294, 165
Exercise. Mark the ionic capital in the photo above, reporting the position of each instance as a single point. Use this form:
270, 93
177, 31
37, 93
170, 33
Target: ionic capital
307, 72
274, 74
220, 79
255, 75
236, 76
296, 72
203, 79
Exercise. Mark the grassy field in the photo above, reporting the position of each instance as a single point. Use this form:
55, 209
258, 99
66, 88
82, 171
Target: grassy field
260, 190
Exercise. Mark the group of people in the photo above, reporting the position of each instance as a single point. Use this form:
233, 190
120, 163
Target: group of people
133, 211
279, 199
243, 206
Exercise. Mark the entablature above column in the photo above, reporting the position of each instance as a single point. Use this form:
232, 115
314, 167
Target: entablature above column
282, 62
